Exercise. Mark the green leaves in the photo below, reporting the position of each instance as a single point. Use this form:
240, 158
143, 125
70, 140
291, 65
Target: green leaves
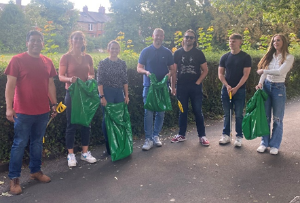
14, 27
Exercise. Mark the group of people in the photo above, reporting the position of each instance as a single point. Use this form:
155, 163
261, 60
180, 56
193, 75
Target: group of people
30, 78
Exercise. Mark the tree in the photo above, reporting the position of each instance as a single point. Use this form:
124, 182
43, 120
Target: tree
14, 27
278, 13
125, 18
257, 16
61, 13
137, 19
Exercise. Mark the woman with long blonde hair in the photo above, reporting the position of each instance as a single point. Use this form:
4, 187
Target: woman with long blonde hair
273, 68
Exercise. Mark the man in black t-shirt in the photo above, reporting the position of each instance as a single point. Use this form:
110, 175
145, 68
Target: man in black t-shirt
234, 70
191, 68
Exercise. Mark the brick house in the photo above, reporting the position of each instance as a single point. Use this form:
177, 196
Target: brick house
93, 23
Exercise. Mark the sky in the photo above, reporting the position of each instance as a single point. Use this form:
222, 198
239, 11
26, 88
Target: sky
92, 5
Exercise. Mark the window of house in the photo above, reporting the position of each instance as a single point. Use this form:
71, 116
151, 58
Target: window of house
90, 27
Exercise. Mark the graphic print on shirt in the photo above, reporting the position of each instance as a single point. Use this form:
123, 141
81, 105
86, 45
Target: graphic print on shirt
187, 65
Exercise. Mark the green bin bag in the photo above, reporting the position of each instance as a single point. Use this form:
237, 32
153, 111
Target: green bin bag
118, 128
158, 98
85, 101
255, 122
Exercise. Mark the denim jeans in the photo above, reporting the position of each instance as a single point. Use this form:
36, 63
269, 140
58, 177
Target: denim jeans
193, 92
151, 131
27, 127
237, 104
276, 103
71, 128
112, 95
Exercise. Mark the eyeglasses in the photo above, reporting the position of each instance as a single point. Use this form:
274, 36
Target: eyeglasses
191, 37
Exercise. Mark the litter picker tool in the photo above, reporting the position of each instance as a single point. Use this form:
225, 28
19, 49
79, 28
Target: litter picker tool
59, 109
230, 117
178, 102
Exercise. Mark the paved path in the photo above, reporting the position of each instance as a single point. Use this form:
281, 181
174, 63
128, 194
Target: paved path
180, 172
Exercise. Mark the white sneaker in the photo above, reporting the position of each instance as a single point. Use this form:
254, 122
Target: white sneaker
238, 141
148, 144
72, 160
224, 139
157, 141
273, 151
88, 157
261, 149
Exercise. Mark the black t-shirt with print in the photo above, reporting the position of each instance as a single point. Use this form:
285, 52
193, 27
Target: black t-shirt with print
234, 65
188, 65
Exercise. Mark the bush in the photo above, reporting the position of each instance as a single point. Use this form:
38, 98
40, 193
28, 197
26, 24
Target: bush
212, 108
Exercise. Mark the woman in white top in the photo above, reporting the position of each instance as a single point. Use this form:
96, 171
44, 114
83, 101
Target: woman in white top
273, 68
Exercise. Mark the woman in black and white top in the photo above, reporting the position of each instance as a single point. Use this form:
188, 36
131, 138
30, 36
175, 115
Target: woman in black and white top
273, 68
112, 81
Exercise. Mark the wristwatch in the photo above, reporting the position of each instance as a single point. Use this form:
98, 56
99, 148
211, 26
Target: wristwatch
101, 96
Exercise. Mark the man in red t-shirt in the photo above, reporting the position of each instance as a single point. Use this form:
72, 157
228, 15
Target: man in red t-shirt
29, 87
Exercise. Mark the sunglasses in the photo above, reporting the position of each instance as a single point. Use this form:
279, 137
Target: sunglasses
191, 37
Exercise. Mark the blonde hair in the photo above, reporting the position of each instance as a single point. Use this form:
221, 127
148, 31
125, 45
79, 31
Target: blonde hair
159, 29
83, 48
265, 61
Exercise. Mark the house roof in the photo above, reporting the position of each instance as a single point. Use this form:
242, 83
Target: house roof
93, 17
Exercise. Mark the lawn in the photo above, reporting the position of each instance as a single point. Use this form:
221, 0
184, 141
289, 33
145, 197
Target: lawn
6, 57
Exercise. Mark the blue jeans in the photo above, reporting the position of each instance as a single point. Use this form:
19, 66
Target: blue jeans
27, 127
275, 102
150, 132
193, 92
112, 95
71, 128
237, 104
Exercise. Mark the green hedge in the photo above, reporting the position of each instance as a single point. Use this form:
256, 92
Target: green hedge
212, 108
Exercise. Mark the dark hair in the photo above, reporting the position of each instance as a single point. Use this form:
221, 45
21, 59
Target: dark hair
34, 32
71, 37
196, 40
236, 36
112, 42
265, 61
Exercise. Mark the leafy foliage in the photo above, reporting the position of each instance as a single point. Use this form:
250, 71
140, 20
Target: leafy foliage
61, 13
14, 27
205, 38
138, 19
246, 41
49, 45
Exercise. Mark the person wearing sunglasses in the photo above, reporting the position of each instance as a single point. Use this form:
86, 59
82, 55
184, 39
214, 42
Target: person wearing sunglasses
234, 70
191, 68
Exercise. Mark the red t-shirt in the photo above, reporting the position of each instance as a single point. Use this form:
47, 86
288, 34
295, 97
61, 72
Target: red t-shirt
80, 70
31, 92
